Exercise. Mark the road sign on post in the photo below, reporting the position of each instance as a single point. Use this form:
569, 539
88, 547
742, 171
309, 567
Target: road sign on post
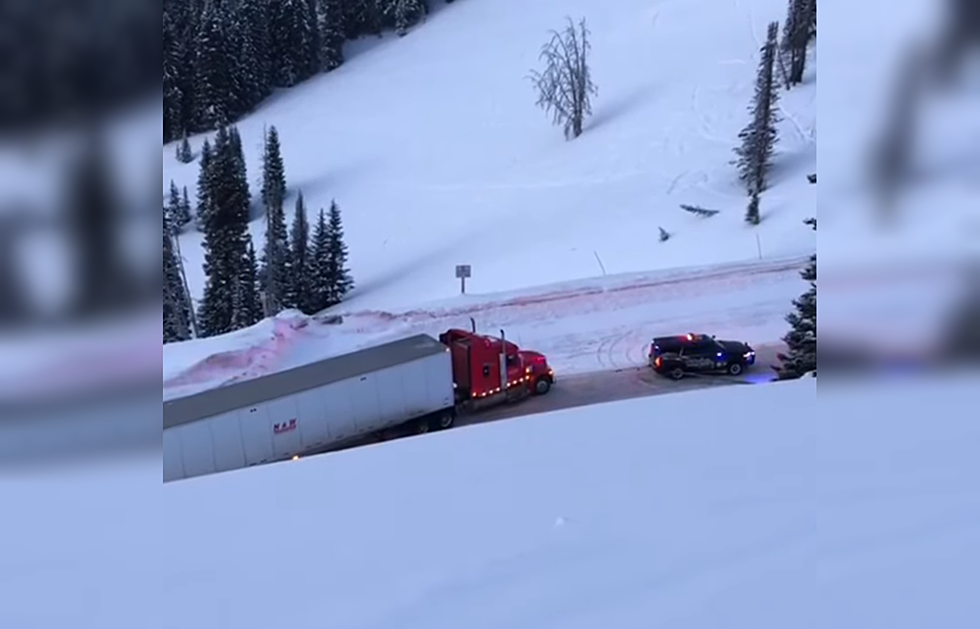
462, 272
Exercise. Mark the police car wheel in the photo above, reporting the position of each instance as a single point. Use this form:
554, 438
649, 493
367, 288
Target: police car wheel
735, 369
676, 373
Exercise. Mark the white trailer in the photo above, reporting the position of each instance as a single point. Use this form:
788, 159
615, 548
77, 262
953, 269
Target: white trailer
313, 407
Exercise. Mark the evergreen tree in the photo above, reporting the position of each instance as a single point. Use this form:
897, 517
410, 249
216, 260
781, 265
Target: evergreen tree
339, 276
204, 184
406, 13
247, 303
173, 211
225, 236
752, 216
274, 275
174, 121
214, 72
301, 263
363, 17
176, 303
801, 340
330, 25
800, 18
184, 153
292, 37
273, 171
184, 216
754, 156
254, 51
321, 287
238, 162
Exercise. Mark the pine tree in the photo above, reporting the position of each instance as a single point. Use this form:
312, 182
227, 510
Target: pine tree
754, 156
247, 302
176, 303
204, 185
214, 72
252, 23
339, 276
274, 275
292, 33
752, 216
184, 153
363, 17
173, 212
406, 13
225, 236
330, 25
184, 216
796, 37
174, 122
301, 263
801, 340
273, 171
321, 287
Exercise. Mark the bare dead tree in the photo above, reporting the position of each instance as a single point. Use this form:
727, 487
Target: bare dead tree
565, 86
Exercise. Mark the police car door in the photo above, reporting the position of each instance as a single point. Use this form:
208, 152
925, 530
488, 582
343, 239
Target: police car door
699, 356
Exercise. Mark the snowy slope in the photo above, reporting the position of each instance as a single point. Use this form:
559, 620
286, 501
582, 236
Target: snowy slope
730, 507
436, 153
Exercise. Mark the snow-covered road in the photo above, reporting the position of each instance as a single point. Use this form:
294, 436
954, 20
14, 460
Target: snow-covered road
592, 325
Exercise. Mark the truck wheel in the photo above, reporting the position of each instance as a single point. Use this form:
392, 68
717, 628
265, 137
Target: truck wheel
422, 426
542, 386
676, 373
735, 369
446, 421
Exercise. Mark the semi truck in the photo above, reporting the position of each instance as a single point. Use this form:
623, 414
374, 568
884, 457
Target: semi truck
409, 386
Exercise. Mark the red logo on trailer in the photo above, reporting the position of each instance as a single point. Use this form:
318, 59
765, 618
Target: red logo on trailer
284, 427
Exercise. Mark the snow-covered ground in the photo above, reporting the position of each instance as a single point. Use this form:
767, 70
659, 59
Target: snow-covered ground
435, 151
562, 237
757, 506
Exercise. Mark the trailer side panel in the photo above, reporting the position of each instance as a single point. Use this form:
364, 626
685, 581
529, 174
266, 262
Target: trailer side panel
319, 417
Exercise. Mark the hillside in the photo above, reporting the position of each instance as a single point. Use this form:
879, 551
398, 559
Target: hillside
653, 512
435, 150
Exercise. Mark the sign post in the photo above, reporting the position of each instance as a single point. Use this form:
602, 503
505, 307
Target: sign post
462, 272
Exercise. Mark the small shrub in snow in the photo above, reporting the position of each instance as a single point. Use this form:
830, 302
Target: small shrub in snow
664, 235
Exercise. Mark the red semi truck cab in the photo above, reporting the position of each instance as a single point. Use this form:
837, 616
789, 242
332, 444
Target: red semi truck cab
479, 362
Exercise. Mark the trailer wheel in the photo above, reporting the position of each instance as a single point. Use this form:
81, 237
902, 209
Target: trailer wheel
542, 386
422, 426
446, 421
